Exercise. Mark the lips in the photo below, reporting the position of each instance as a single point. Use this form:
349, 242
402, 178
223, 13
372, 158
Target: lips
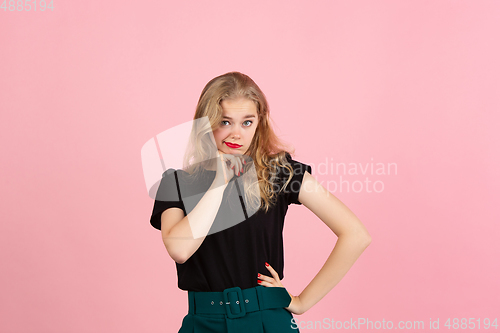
232, 145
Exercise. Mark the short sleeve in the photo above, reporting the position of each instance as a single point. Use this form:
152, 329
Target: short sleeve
167, 196
292, 189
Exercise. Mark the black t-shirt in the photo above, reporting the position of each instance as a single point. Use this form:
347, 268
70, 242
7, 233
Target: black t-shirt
233, 257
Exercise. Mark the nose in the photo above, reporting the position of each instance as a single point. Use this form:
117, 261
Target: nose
235, 133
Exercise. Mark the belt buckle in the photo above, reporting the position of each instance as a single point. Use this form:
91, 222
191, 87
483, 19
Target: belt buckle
239, 301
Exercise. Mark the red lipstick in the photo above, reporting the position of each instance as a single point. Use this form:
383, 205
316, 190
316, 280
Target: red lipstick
232, 145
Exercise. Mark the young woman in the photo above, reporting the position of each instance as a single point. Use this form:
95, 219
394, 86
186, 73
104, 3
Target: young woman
221, 217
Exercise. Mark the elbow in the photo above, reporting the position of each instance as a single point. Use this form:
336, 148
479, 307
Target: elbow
180, 261
367, 239
178, 256
364, 238
360, 238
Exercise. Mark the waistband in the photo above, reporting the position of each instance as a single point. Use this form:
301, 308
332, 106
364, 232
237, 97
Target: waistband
236, 302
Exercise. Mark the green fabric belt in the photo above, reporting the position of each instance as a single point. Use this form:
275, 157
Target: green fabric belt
235, 302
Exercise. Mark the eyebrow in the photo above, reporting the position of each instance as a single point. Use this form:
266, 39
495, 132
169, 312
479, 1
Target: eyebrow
247, 116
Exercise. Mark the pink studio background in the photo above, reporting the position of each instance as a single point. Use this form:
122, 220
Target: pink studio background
83, 87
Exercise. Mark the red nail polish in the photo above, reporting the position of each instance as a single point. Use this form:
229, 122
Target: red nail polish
244, 162
258, 274
259, 281
267, 264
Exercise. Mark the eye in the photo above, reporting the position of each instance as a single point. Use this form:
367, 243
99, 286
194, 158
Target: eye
246, 121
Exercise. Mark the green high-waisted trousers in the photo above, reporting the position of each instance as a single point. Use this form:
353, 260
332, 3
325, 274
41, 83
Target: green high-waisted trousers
253, 310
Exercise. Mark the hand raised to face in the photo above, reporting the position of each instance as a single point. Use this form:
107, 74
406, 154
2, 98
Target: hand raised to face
229, 166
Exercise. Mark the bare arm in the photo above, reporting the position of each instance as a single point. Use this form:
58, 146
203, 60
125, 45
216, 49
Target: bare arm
353, 239
183, 235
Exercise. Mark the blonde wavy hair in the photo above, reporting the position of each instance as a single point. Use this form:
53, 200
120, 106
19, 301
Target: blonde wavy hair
266, 150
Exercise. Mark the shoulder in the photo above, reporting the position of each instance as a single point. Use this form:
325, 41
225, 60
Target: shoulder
170, 172
293, 170
292, 176
298, 167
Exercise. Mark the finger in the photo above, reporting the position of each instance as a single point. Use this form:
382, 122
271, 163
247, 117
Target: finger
242, 166
266, 281
269, 279
265, 278
237, 166
273, 272
231, 164
229, 161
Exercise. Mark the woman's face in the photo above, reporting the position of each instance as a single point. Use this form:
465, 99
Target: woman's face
235, 133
